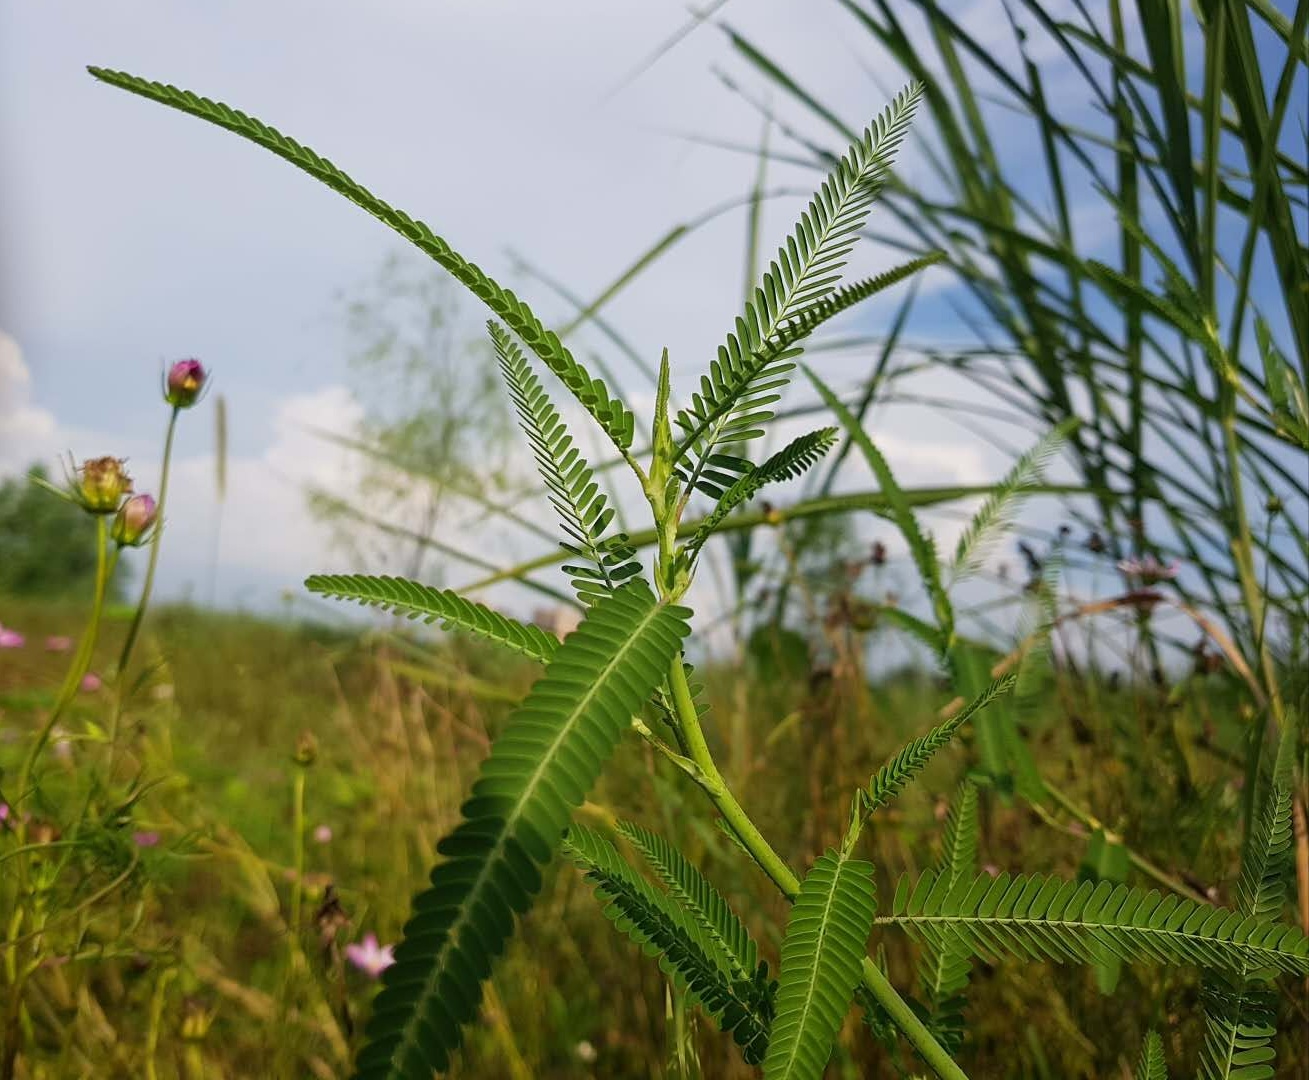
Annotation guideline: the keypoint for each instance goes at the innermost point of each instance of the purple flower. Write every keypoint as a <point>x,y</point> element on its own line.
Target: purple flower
<point>91,682</point>
<point>58,643</point>
<point>370,958</point>
<point>4,812</point>
<point>183,384</point>
<point>134,520</point>
<point>11,639</point>
<point>148,838</point>
<point>1149,570</point>
<point>323,834</point>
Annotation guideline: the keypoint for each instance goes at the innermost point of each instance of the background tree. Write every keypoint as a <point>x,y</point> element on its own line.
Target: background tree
<point>47,545</point>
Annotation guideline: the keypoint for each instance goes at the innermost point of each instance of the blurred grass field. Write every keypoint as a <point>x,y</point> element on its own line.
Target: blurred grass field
<point>218,987</point>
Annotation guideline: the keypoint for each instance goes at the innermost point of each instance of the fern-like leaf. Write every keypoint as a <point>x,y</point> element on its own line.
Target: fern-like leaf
<point>696,963</point>
<point>714,916</point>
<point>1240,1008</point>
<point>996,513</point>
<point>788,463</point>
<point>1038,918</point>
<point>1151,1064</point>
<point>822,953</point>
<point>743,383</point>
<point>612,415</point>
<point>582,507</point>
<point>892,777</point>
<point>539,769</point>
<point>943,972</point>
<point>921,547</point>
<point>431,605</point>
<point>1240,1022</point>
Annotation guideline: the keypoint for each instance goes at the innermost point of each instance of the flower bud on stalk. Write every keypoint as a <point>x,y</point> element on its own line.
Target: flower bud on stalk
<point>102,484</point>
<point>134,522</point>
<point>184,382</point>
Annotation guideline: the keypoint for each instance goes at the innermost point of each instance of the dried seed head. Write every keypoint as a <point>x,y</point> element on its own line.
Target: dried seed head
<point>102,484</point>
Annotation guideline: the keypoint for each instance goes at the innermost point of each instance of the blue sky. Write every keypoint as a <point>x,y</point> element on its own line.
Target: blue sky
<point>134,236</point>
<point>131,235</point>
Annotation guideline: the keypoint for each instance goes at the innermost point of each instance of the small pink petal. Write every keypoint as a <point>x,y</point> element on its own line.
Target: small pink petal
<point>91,682</point>
<point>323,834</point>
<point>58,643</point>
<point>11,639</point>
<point>148,838</point>
<point>369,957</point>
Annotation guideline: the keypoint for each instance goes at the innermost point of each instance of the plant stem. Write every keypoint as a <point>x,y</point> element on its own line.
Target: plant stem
<point>148,585</point>
<point>877,984</point>
<point>76,670</point>
<point>1149,869</point>
<point>298,824</point>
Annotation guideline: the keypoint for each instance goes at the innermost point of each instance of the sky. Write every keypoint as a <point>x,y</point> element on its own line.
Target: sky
<point>132,235</point>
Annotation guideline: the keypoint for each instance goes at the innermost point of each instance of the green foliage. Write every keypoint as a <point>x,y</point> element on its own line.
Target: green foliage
<point>1240,1007</point>
<point>583,508</point>
<point>540,768</point>
<point>943,971</point>
<point>417,601</point>
<point>822,954</point>
<point>691,946</point>
<point>921,547</point>
<point>627,652</point>
<point>47,545</point>
<point>1040,917</point>
<point>612,415</point>
<point>791,461</point>
<point>1151,1065</point>
<point>996,514</point>
<point>736,396</point>
<point>892,777</point>
<point>701,901</point>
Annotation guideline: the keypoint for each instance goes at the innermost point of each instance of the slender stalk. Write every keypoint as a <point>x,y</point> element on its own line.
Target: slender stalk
<point>877,984</point>
<point>1144,865</point>
<point>148,585</point>
<point>76,670</point>
<point>146,588</point>
<point>298,825</point>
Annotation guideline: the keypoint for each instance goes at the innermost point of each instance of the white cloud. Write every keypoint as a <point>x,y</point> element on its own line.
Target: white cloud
<point>25,429</point>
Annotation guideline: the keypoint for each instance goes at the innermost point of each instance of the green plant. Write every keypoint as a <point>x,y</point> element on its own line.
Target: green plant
<point>624,669</point>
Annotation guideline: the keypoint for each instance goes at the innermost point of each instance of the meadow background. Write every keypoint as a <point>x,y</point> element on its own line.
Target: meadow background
<point>629,172</point>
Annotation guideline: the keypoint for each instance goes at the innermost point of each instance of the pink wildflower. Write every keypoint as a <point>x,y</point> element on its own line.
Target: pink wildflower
<point>91,682</point>
<point>147,838</point>
<point>183,383</point>
<point>323,834</point>
<point>58,643</point>
<point>11,639</point>
<point>370,958</point>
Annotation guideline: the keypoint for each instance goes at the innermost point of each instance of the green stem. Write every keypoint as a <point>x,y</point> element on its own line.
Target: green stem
<point>298,824</point>
<point>1144,865</point>
<point>146,588</point>
<point>76,670</point>
<point>148,585</point>
<point>877,984</point>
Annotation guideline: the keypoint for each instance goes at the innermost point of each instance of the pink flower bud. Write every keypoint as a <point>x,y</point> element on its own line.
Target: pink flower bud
<point>11,639</point>
<point>135,519</point>
<point>58,643</point>
<point>103,484</point>
<point>91,682</point>
<point>185,380</point>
